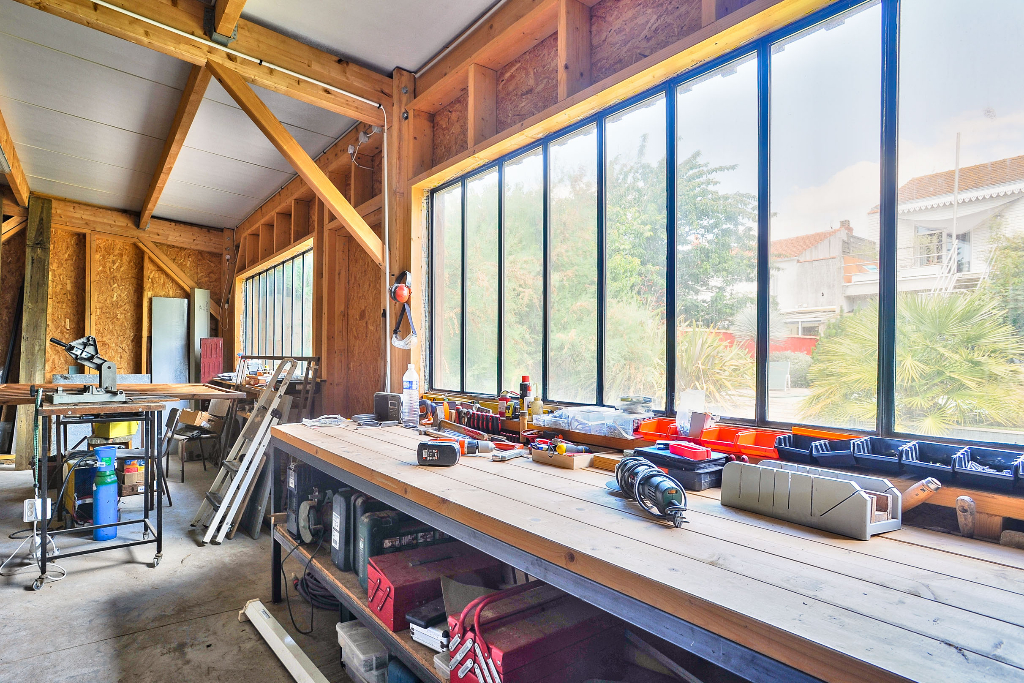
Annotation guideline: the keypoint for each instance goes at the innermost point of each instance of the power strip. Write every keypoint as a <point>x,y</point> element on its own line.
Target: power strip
<point>33,510</point>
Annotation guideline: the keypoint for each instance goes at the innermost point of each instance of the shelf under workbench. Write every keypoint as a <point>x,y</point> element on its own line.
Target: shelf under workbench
<point>345,587</point>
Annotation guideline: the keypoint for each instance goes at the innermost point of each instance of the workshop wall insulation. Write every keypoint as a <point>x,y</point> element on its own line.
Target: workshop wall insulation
<point>12,274</point>
<point>116,303</point>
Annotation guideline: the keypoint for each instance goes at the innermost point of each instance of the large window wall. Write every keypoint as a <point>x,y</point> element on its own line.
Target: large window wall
<point>756,237</point>
<point>277,309</point>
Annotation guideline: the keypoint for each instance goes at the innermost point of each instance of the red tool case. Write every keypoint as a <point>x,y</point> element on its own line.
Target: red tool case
<point>537,633</point>
<point>400,582</point>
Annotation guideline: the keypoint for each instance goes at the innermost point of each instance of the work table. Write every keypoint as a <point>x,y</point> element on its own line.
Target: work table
<point>742,590</point>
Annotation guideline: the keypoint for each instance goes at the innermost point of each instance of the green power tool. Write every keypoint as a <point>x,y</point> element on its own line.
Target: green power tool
<point>655,491</point>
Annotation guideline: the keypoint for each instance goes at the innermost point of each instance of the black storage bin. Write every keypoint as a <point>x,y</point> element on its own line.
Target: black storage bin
<point>698,481</point>
<point>660,456</point>
<point>927,459</point>
<point>795,447</point>
<point>991,468</point>
<point>876,453</point>
<point>833,453</point>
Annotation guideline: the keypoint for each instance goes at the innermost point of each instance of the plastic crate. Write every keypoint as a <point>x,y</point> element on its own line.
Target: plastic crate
<point>698,481</point>
<point>991,468</point>
<point>657,428</point>
<point>759,443</point>
<point>939,460</point>
<point>876,453</point>
<point>838,453</point>
<point>365,657</point>
<point>721,438</point>
<point>660,456</point>
<point>795,447</point>
<point>689,450</point>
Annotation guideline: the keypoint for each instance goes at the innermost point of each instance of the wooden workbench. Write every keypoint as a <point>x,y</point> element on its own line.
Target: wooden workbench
<point>733,587</point>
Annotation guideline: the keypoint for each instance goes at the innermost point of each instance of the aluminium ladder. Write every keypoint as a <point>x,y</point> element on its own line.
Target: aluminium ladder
<point>236,470</point>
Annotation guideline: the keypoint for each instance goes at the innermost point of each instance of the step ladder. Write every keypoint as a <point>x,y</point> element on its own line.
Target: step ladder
<point>221,504</point>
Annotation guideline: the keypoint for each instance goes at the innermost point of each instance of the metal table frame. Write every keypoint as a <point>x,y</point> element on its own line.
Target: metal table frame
<point>150,422</point>
<point>721,651</point>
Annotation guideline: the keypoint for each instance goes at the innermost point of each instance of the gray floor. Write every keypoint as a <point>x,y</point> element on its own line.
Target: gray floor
<point>114,618</point>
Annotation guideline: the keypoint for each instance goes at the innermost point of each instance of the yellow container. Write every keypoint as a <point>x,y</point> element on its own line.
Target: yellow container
<point>110,430</point>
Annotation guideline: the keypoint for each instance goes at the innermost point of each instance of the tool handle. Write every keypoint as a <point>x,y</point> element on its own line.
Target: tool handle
<point>58,342</point>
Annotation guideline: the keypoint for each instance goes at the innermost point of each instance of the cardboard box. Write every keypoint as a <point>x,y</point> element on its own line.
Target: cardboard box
<point>199,418</point>
<point>569,461</point>
<point>132,489</point>
<point>132,472</point>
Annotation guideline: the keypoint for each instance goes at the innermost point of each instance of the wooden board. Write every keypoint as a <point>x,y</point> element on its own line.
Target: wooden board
<point>451,129</point>
<point>19,394</point>
<point>528,84</point>
<point>623,32</point>
<point>117,303</point>
<point>839,609</point>
<point>12,273</point>
<point>65,314</point>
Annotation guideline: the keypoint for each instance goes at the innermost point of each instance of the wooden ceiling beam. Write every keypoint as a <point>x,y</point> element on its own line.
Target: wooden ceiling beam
<point>11,227</point>
<point>115,224</point>
<point>10,204</point>
<point>318,181</point>
<point>226,15</point>
<point>262,45</point>
<point>191,98</point>
<point>16,178</point>
<point>334,158</point>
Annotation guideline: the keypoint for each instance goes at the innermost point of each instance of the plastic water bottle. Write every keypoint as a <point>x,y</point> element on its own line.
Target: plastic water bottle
<point>104,493</point>
<point>410,397</point>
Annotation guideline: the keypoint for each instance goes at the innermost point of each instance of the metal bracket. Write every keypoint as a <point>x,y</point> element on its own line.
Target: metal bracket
<point>209,20</point>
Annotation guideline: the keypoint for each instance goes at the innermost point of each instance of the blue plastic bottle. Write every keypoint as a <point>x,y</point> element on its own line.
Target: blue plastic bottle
<point>104,493</point>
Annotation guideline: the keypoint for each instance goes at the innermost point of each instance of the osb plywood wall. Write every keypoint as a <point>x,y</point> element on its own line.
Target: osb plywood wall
<point>65,310</point>
<point>203,267</point>
<point>117,303</point>
<point>12,275</point>
<point>451,129</point>
<point>622,32</point>
<point>527,85</point>
<point>378,174</point>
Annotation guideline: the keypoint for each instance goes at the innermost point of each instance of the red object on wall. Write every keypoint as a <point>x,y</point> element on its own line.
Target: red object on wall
<point>211,358</point>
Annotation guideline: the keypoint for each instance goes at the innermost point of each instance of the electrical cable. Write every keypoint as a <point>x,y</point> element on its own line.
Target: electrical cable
<point>315,592</point>
<point>305,570</point>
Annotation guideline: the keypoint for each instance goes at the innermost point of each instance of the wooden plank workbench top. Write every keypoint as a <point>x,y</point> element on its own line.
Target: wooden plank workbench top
<point>908,605</point>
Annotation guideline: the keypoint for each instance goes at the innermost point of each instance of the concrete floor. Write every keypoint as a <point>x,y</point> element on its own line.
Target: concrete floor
<point>114,618</point>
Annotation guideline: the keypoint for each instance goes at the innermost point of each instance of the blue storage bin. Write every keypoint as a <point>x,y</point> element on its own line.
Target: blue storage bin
<point>876,453</point>
<point>400,673</point>
<point>939,460</point>
<point>833,453</point>
<point>795,447</point>
<point>991,468</point>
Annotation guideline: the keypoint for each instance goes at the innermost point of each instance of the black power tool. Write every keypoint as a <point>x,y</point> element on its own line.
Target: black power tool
<point>655,491</point>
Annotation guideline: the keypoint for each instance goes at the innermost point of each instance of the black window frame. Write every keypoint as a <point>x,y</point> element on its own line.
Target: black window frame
<point>888,186</point>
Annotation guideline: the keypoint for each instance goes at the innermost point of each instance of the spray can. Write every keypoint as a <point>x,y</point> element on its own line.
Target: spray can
<point>104,493</point>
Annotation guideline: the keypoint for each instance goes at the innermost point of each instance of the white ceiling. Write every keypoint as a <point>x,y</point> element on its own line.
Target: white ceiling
<point>89,113</point>
<point>382,35</point>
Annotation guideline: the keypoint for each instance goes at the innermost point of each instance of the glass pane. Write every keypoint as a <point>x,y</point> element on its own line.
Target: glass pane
<point>482,283</point>
<point>825,132</point>
<point>307,303</point>
<point>572,333</point>
<point>300,316</point>
<point>278,309</point>
<point>960,226</point>
<point>523,243</point>
<point>716,238</point>
<point>286,310</point>
<point>636,232</point>
<point>261,321</point>
<point>447,289</point>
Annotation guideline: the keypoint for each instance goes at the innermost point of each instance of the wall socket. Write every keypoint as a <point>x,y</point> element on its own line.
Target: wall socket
<point>33,511</point>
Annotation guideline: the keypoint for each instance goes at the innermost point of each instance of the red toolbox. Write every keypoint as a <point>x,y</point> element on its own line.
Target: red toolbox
<point>529,633</point>
<point>400,582</point>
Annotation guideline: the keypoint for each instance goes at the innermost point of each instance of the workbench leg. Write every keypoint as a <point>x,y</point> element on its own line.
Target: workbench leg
<point>159,492</point>
<point>43,495</point>
<point>147,495</point>
<point>275,546</point>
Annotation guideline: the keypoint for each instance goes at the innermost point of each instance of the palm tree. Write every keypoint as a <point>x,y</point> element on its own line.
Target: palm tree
<point>707,361</point>
<point>958,364</point>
